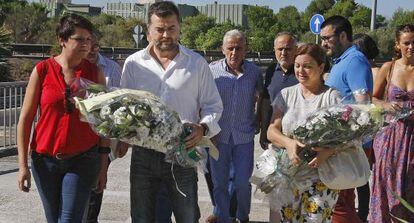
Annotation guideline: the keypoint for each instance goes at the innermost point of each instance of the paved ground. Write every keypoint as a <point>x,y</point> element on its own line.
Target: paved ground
<point>22,207</point>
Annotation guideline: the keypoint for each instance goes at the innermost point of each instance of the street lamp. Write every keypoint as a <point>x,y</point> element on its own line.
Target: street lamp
<point>373,14</point>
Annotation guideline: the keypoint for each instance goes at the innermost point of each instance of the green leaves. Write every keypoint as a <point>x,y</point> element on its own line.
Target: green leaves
<point>405,204</point>
<point>194,29</point>
<point>401,17</point>
<point>212,40</point>
<point>26,21</point>
<point>4,53</point>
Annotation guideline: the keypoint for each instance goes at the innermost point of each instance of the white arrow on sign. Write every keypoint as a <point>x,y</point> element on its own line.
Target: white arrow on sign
<point>317,22</point>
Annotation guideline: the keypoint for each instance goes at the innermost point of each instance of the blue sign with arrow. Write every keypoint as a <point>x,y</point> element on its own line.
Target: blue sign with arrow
<point>315,23</point>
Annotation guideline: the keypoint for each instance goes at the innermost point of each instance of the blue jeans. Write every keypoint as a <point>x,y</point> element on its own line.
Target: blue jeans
<point>148,170</point>
<point>94,205</point>
<point>163,207</point>
<point>241,156</point>
<point>233,197</point>
<point>65,185</point>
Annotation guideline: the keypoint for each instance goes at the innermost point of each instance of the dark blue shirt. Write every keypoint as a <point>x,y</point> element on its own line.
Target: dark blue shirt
<point>238,94</point>
<point>276,79</point>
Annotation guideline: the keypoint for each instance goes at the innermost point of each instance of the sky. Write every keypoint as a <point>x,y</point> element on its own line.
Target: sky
<point>384,7</point>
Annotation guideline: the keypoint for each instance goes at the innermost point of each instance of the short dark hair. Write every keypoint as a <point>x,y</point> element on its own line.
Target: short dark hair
<point>67,24</point>
<point>339,23</point>
<point>366,45</point>
<point>163,9</point>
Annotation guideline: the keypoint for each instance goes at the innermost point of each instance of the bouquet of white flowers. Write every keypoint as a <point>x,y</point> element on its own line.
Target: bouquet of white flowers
<point>338,126</point>
<point>139,118</point>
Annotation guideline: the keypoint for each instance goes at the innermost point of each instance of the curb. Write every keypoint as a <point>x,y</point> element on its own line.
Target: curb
<point>4,152</point>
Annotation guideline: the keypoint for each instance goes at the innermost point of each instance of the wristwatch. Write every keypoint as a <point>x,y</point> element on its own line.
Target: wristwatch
<point>205,128</point>
<point>103,149</point>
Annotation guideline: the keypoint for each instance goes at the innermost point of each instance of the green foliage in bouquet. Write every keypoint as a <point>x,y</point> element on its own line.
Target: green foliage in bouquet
<point>405,204</point>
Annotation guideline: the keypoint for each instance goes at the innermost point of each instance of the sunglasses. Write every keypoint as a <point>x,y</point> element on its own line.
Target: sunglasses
<point>68,105</point>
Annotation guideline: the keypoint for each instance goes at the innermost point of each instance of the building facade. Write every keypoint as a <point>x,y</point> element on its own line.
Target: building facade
<point>55,7</point>
<point>235,13</point>
<point>139,11</point>
<point>60,7</point>
<point>84,9</point>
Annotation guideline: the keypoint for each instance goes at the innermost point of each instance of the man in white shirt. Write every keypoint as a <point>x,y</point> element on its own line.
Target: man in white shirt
<point>183,80</point>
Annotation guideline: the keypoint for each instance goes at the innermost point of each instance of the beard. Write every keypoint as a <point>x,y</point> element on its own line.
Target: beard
<point>168,45</point>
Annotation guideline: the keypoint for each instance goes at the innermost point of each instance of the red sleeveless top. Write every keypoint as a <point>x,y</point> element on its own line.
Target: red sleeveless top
<point>57,131</point>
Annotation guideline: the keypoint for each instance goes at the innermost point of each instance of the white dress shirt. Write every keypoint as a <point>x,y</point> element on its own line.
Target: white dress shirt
<point>186,86</point>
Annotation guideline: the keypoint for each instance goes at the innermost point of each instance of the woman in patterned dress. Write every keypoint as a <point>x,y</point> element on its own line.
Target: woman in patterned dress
<point>394,146</point>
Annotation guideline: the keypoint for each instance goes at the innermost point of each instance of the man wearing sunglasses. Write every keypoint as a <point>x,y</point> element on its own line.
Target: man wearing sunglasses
<point>112,72</point>
<point>350,72</point>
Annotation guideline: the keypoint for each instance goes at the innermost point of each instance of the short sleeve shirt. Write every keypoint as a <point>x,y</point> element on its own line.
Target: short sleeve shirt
<point>351,72</point>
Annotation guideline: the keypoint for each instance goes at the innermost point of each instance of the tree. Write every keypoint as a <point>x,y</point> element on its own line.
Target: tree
<point>318,7</point>
<point>213,39</point>
<point>380,21</point>
<point>401,17</point>
<point>361,17</point>
<point>26,21</point>
<point>315,7</point>
<point>6,6</point>
<point>384,37</point>
<point>115,31</point>
<point>48,35</point>
<point>193,27</point>
<point>288,18</point>
<point>308,37</point>
<point>261,40</point>
<point>260,17</point>
<point>345,8</point>
<point>263,26</point>
<point>4,53</point>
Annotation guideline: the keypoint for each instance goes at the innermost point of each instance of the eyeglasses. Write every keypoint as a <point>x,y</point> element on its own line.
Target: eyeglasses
<point>68,105</point>
<point>328,38</point>
<point>81,40</point>
<point>95,47</point>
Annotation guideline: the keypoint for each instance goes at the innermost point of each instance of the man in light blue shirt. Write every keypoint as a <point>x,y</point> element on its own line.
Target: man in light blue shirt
<point>238,82</point>
<point>351,70</point>
<point>110,68</point>
<point>351,73</point>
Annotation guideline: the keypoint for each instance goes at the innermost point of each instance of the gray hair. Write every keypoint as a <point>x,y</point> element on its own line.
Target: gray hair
<point>286,33</point>
<point>235,33</point>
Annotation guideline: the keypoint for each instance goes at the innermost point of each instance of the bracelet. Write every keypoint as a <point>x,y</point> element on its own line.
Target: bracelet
<point>104,150</point>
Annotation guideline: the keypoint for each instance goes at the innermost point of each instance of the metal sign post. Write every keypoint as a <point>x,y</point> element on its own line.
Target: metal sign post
<point>315,25</point>
<point>137,34</point>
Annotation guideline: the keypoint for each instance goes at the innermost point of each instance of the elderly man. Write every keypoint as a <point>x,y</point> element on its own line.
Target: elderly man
<point>238,82</point>
<point>278,76</point>
<point>350,72</point>
<point>183,80</point>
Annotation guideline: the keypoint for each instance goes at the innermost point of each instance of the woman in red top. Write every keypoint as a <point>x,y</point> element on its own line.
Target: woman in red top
<point>65,155</point>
